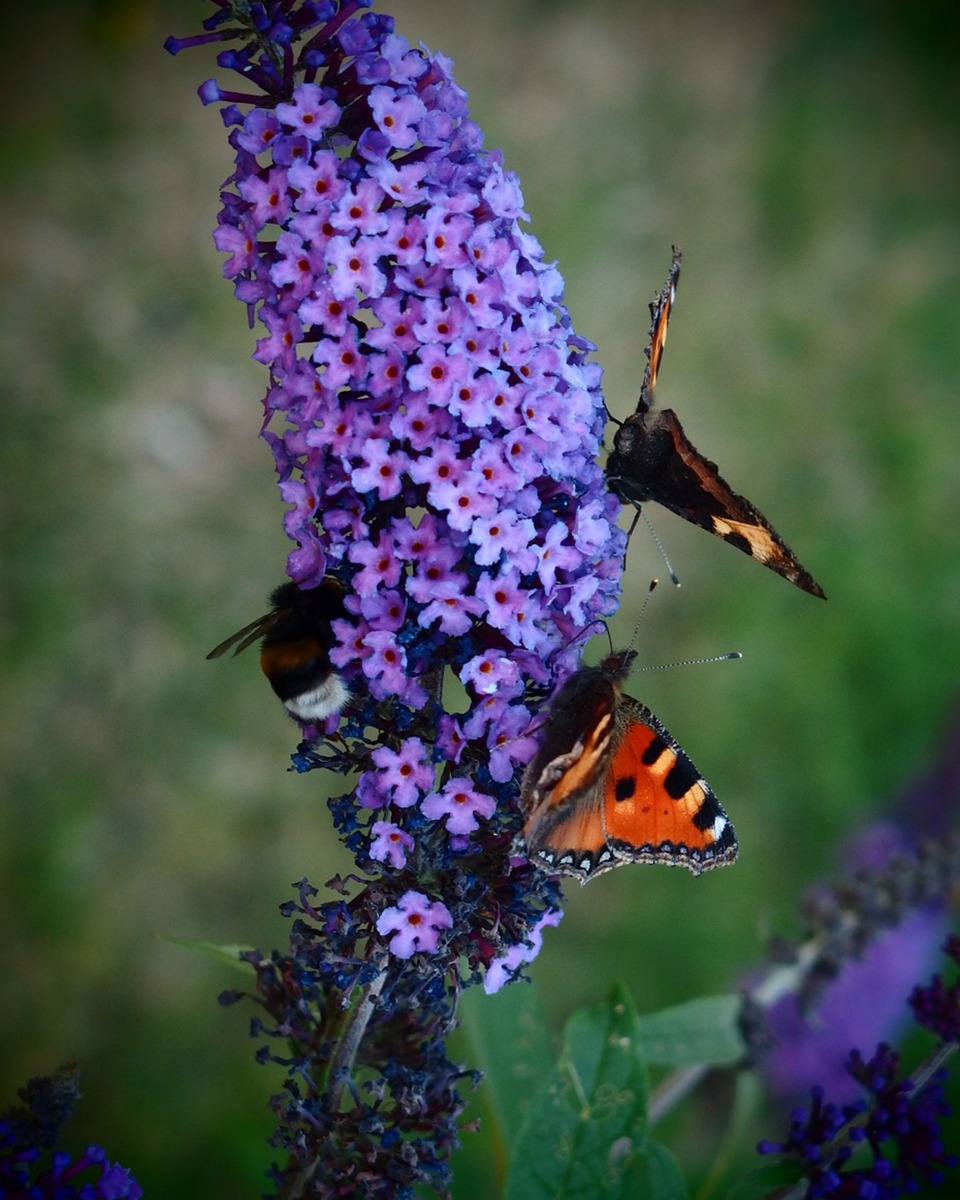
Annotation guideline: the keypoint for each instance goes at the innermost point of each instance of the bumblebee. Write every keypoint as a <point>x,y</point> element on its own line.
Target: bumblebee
<point>297,638</point>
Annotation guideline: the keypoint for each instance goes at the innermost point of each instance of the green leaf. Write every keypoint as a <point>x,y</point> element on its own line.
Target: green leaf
<point>656,1175</point>
<point>772,1179</point>
<point>223,953</point>
<point>704,1031</point>
<point>588,1123</point>
<point>511,1044</point>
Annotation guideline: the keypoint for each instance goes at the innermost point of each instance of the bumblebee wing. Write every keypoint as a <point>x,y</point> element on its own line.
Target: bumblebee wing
<point>248,634</point>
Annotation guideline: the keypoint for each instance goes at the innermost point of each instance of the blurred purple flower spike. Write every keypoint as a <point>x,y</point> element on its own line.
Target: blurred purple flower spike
<point>895,939</point>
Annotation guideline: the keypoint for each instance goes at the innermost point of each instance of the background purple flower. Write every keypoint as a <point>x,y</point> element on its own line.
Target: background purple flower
<point>872,937</point>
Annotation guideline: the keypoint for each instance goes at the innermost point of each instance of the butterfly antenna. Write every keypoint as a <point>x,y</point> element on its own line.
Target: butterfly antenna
<point>691,662</point>
<point>674,579</point>
<point>584,633</point>
<point>643,608</point>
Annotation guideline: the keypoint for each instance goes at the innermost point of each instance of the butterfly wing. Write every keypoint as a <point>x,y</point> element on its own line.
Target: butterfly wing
<point>659,320</point>
<point>562,789</point>
<point>621,790</point>
<point>573,841</point>
<point>680,478</point>
<point>653,459</point>
<point>656,806</point>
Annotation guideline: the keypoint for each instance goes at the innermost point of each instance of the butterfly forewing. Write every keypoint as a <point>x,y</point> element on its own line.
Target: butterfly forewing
<point>571,759</point>
<point>660,319</point>
<point>657,808</point>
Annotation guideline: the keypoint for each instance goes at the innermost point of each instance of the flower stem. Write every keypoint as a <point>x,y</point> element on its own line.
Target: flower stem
<point>670,1091</point>
<point>340,1065</point>
<point>353,1032</point>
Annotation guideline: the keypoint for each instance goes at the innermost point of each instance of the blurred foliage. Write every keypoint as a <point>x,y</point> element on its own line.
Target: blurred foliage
<point>805,157</point>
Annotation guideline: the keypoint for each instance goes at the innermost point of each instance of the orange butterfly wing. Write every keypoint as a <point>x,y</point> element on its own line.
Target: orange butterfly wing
<point>657,808</point>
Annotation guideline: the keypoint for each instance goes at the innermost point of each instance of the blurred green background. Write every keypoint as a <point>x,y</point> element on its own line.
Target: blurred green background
<point>806,158</point>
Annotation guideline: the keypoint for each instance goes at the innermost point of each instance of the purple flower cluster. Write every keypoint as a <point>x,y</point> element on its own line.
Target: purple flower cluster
<point>867,940</point>
<point>937,1006</point>
<point>435,425</point>
<point>29,1164</point>
<point>875,935</point>
<point>898,1127</point>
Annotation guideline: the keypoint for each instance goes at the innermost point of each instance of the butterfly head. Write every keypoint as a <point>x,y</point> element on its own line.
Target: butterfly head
<point>617,665</point>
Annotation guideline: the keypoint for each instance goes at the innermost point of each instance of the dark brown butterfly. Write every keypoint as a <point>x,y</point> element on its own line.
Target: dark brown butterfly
<point>295,650</point>
<point>653,459</point>
<point>609,785</point>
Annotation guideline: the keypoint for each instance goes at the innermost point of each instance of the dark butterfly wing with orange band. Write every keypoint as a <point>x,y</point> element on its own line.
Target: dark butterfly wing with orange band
<point>654,460</point>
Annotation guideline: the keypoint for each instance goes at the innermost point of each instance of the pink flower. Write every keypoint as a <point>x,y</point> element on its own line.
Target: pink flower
<point>461,804</point>
<point>416,923</point>
<point>390,844</point>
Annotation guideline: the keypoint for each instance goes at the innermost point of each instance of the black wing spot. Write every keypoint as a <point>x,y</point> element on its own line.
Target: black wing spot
<point>625,787</point>
<point>681,777</point>
<point>707,815</point>
<point>651,756</point>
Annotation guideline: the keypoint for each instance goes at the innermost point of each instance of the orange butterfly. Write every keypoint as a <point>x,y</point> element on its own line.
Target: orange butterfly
<point>653,459</point>
<point>609,785</point>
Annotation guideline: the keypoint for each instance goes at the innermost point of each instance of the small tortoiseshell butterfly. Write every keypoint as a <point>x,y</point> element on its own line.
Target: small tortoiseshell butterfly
<point>609,785</point>
<point>653,459</point>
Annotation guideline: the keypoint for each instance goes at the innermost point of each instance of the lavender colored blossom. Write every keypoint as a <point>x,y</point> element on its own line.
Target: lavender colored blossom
<point>508,965</point>
<point>390,844</point>
<point>435,423</point>
<point>459,805</point>
<point>416,923</point>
